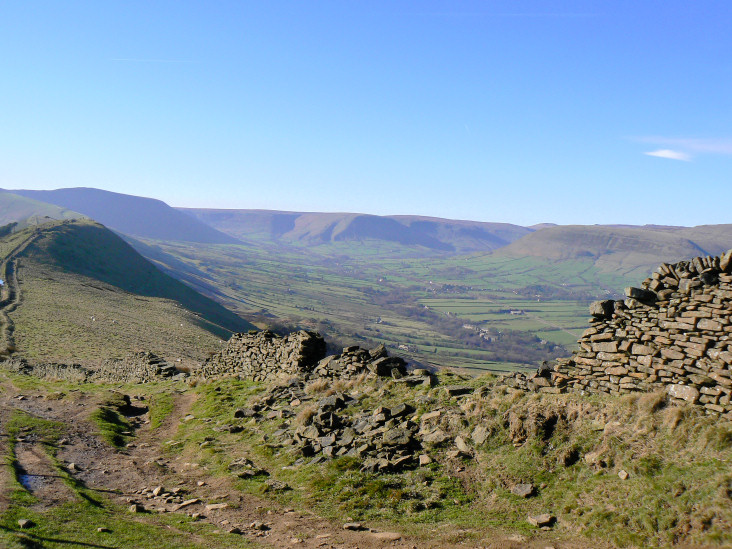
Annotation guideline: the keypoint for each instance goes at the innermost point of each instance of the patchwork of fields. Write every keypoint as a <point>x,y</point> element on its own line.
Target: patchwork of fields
<point>480,312</point>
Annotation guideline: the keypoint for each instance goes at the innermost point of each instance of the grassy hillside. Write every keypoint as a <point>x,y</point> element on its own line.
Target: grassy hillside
<point>86,295</point>
<point>133,215</point>
<point>628,251</point>
<point>414,232</point>
<point>26,211</point>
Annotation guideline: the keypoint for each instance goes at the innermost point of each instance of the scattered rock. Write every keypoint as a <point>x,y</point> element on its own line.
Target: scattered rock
<point>458,390</point>
<point>387,536</point>
<point>355,526</point>
<point>276,485</point>
<point>187,503</point>
<point>25,523</point>
<point>623,474</point>
<point>545,519</point>
<point>523,490</point>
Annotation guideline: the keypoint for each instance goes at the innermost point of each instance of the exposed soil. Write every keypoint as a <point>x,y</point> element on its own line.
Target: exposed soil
<point>38,475</point>
<point>119,474</point>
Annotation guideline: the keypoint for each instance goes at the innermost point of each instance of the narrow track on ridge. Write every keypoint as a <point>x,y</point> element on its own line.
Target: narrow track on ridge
<point>10,293</point>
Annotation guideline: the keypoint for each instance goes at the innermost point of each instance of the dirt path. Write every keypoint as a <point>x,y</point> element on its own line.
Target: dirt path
<point>39,476</point>
<point>122,475</point>
<point>10,293</point>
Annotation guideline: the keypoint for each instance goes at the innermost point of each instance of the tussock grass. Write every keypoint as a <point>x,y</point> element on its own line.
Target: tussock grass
<point>112,426</point>
<point>570,447</point>
<point>318,386</point>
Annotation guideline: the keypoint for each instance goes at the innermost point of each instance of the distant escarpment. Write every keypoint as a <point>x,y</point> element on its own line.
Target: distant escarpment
<point>310,228</point>
<point>132,215</point>
<point>674,334</point>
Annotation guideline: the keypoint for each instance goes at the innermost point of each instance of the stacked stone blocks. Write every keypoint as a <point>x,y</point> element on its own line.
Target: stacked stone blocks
<point>673,333</point>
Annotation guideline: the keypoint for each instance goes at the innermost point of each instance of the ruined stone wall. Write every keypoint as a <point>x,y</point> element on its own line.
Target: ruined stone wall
<point>674,333</point>
<point>264,355</point>
<point>140,367</point>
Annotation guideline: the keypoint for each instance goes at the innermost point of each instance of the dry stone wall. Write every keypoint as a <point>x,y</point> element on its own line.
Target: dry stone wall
<point>139,367</point>
<point>674,333</point>
<point>264,355</point>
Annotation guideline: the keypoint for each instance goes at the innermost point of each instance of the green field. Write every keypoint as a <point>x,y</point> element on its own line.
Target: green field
<point>429,308</point>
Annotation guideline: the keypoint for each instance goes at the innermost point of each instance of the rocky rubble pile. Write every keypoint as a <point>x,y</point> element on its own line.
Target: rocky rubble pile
<point>384,439</point>
<point>674,333</point>
<point>354,361</point>
<point>263,356</point>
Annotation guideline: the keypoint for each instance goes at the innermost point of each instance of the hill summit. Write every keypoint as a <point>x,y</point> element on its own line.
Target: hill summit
<point>132,215</point>
<point>77,292</point>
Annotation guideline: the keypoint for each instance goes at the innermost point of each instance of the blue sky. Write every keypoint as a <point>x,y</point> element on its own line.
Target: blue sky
<point>515,111</point>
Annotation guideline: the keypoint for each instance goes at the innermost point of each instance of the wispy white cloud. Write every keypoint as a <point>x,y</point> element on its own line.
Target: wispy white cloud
<point>685,148</point>
<point>668,153</point>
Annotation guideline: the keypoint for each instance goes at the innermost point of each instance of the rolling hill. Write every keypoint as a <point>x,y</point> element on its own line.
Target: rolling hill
<point>622,249</point>
<point>25,211</point>
<point>132,215</point>
<point>86,295</point>
<point>300,228</point>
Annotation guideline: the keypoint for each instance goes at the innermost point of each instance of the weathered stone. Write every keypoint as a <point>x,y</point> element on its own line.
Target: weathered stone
<point>689,394</point>
<point>605,347</point>
<point>672,354</point>
<point>640,294</point>
<point>431,415</point>
<point>523,490</point>
<point>386,536</point>
<point>397,437</point>
<point>463,446</point>
<point>602,309</point>
<point>707,324</point>
<point>638,349</point>
<point>545,519</point>
<point>480,435</point>
<point>458,390</point>
<point>436,437</point>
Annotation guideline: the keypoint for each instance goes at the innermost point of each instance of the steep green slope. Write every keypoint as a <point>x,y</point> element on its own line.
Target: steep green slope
<point>86,295</point>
